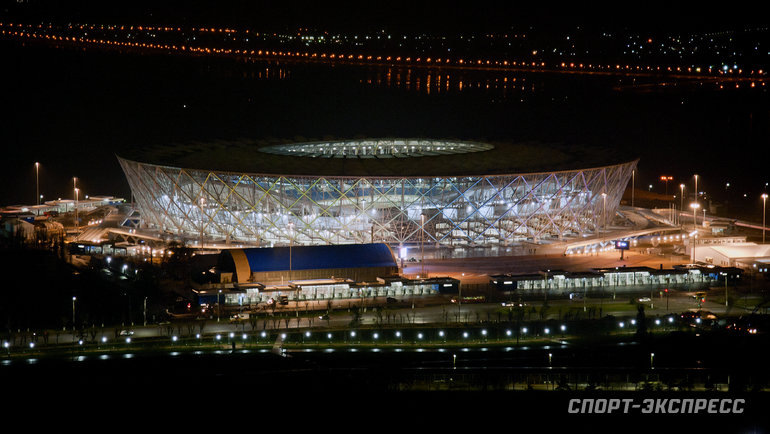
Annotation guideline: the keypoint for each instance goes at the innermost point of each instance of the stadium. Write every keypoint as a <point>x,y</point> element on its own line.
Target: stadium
<point>402,192</point>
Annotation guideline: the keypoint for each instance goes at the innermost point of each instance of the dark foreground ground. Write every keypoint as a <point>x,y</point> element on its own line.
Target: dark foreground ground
<point>482,387</point>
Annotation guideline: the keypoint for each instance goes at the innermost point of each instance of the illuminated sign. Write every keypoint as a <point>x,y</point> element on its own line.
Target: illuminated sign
<point>621,245</point>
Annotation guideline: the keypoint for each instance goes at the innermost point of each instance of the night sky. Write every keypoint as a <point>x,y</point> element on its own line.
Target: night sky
<point>430,16</point>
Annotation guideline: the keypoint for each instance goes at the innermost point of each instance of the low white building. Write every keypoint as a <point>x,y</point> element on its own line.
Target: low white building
<point>741,255</point>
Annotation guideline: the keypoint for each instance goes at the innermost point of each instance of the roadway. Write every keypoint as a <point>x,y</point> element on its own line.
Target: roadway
<point>425,311</point>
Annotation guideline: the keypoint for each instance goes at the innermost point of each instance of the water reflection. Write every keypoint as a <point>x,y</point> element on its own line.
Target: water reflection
<point>447,81</point>
<point>498,84</point>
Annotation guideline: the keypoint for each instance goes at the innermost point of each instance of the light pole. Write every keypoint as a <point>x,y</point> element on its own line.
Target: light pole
<point>37,182</point>
<point>604,211</point>
<point>694,233</point>
<point>75,189</point>
<point>693,236</point>
<point>764,209</point>
<point>633,181</point>
<point>725,274</point>
<point>681,198</point>
<point>219,304</point>
<point>73,317</point>
<point>422,247</point>
<point>77,224</point>
<point>694,206</point>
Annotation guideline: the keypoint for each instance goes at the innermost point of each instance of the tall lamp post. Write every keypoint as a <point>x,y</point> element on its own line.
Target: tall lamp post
<point>681,198</point>
<point>694,206</point>
<point>77,223</point>
<point>764,209</point>
<point>604,211</point>
<point>73,317</point>
<point>725,274</point>
<point>37,182</point>
<point>694,234</point>
<point>75,189</point>
<point>422,247</point>
<point>219,304</point>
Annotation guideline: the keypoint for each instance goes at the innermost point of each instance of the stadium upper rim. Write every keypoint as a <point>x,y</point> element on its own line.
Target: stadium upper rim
<point>468,159</point>
<point>377,148</point>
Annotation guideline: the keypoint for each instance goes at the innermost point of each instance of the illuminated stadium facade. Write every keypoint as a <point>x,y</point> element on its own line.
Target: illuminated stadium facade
<point>365,203</point>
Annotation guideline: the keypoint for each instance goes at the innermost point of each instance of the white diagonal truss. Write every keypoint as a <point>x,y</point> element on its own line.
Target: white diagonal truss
<point>268,210</point>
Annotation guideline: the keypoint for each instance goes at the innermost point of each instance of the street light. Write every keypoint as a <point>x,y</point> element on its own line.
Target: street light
<point>681,198</point>
<point>725,274</point>
<point>422,241</point>
<point>73,314</point>
<point>37,182</point>
<point>77,223</point>
<point>219,304</point>
<point>764,208</point>
<point>604,211</point>
<point>694,206</point>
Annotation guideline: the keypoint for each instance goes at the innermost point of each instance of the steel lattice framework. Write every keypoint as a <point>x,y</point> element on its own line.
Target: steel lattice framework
<point>269,209</point>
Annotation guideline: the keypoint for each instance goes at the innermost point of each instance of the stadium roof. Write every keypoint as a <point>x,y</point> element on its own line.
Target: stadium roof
<point>267,158</point>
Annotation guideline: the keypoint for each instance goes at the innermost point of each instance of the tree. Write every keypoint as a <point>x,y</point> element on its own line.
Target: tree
<point>356,317</point>
<point>544,309</point>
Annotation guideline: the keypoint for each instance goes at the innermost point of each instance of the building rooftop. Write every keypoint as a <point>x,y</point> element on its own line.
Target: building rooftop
<point>327,158</point>
<point>315,257</point>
